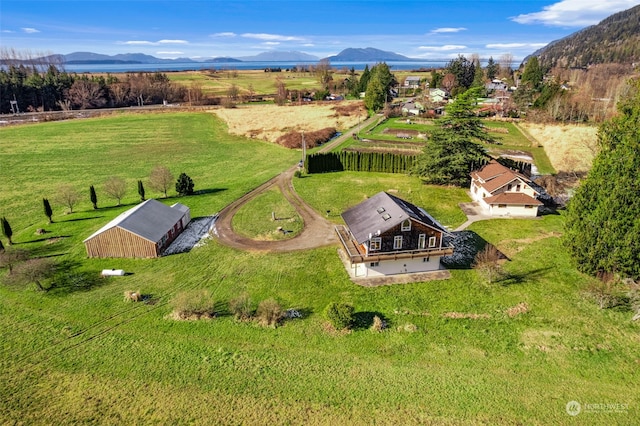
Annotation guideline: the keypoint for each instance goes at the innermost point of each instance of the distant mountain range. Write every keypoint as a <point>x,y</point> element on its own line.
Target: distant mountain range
<point>368,54</point>
<point>615,39</point>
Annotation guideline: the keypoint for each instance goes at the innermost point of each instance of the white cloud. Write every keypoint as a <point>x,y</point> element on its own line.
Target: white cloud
<point>514,45</point>
<point>271,43</point>
<point>271,37</point>
<point>224,34</point>
<point>447,30</point>
<point>445,48</point>
<point>575,13</point>
<point>153,43</point>
<point>138,43</point>
<point>30,30</point>
<point>173,42</point>
<point>7,31</point>
<point>169,53</point>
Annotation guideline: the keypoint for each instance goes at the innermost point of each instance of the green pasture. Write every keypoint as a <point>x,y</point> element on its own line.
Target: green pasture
<point>79,354</point>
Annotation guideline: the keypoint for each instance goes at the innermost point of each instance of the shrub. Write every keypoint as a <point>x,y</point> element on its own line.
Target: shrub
<point>297,173</point>
<point>240,307</point>
<point>340,315</point>
<point>193,304</point>
<point>269,313</point>
<point>487,263</point>
<point>378,324</point>
<point>184,185</point>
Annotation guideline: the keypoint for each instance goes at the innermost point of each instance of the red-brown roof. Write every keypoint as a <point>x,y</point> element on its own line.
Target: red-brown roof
<point>513,198</point>
<point>494,175</point>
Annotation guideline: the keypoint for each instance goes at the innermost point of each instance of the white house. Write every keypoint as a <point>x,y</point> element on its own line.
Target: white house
<point>385,235</point>
<point>501,191</point>
<point>438,95</point>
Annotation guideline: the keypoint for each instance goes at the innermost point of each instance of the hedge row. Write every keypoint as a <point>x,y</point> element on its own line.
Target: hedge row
<point>359,162</point>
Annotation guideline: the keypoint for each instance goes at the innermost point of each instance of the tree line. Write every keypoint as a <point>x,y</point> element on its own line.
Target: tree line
<point>385,162</point>
<point>27,88</point>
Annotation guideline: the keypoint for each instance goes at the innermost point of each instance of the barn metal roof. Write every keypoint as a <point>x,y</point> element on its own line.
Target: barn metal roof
<point>150,220</point>
<point>382,212</point>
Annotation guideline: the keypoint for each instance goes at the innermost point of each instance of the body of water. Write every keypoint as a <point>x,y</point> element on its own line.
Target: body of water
<point>186,66</point>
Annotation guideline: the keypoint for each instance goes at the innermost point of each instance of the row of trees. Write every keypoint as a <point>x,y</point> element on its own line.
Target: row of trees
<point>28,88</point>
<point>385,162</point>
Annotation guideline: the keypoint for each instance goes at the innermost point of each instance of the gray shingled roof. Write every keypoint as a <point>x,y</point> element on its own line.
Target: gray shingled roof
<point>150,220</point>
<point>382,212</point>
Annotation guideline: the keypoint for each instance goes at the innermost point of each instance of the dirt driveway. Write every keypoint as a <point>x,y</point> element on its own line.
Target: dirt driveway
<point>317,231</point>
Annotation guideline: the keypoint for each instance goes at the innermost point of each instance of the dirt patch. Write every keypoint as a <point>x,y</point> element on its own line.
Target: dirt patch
<point>514,246</point>
<point>265,122</point>
<point>569,147</point>
<point>391,130</point>
<point>463,315</point>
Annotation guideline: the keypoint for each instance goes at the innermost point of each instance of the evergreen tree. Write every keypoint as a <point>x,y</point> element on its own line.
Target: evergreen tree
<point>184,185</point>
<point>93,196</point>
<point>448,159</point>
<point>141,190</point>
<point>48,212</point>
<point>6,229</point>
<point>603,217</point>
<point>364,79</point>
<point>462,120</point>
<point>464,71</point>
<point>492,68</point>
<point>533,73</point>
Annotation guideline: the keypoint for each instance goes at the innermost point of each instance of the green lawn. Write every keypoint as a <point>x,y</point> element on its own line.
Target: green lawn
<point>80,354</point>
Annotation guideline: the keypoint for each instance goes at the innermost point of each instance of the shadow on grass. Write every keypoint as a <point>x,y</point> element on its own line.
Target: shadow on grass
<point>208,191</point>
<point>79,219</point>
<point>515,279</point>
<point>68,280</point>
<point>39,240</point>
<point>364,320</point>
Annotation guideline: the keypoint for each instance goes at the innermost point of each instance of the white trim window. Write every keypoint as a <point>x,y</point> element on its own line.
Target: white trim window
<point>375,244</point>
<point>406,225</point>
<point>397,242</point>
<point>422,241</point>
<point>432,241</point>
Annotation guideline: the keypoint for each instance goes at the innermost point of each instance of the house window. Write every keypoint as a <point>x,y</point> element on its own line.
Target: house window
<point>375,244</point>
<point>386,216</point>
<point>406,225</point>
<point>425,259</point>
<point>509,187</point>
<point>518,187</point>
<point>397,242</point>
<point>422,241</point>
<point>502,206</point>
<point>380,210</point>
<point>374,264</point>
<point>432,241</point>
<point>528,206</point>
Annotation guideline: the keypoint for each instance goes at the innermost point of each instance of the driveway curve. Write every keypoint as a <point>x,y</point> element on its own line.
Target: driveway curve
<point>317,231</point>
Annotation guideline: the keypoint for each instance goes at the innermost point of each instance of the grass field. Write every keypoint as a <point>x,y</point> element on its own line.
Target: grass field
<point>79,354</point>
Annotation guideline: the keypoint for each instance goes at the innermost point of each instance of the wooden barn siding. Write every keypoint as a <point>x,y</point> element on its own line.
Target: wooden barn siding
<point>117,242</point>
<point>409,238</point>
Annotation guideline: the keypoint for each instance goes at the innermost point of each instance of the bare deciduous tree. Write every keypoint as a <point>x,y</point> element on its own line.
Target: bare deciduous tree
<point>86,94</point>
<point>161,179</point>
<point>115,187</point>
<point>487,263</point>
<point>31,271</point>
<point>67,196</point>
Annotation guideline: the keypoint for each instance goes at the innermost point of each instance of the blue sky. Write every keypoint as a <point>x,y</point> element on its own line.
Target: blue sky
<point>211,28</point>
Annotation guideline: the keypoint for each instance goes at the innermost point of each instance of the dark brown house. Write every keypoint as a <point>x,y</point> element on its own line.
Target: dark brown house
<point>386,235</point>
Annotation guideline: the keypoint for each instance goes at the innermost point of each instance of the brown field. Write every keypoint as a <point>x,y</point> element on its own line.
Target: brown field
<point>270,122</point>
<point>569,147</point>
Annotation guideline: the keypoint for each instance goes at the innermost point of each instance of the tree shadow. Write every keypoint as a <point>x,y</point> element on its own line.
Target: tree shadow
<point>79,219</point>
<point>515,279</point>
<point>39,240</point>
<point>364,320</point>
<point>208,191</point>
<point>69,280</point>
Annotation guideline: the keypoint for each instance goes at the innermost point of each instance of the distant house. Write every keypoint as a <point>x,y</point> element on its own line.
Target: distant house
<point>496,84</point>
<point>145,230</point>
<point>385,235</point>
<point>412,108</point>
<point>411,82</point>
<point>501,191</point>
<point>438,95</point>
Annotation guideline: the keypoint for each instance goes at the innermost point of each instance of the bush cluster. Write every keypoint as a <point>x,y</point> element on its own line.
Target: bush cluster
<point>340,315</point>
